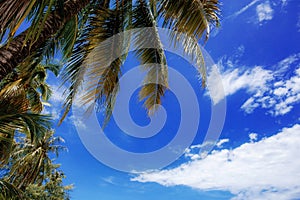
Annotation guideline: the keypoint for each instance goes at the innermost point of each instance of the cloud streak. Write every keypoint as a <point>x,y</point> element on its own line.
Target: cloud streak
<point>244,9</point>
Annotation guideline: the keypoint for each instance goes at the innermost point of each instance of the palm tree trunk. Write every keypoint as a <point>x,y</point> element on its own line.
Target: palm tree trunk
<point>16,51</point>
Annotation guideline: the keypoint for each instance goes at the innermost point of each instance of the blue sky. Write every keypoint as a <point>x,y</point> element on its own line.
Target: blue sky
<point>257,55</point>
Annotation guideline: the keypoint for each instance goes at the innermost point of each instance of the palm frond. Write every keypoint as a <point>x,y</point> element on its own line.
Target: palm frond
<point>13,14</point>
<point>9,191</point>
<point>15,116</point>
<point>88,60</point>
<point>189,20</point>
<point>193,52</point>
<point>156,80</point>
<point>192,17</point>
<point>30,162</point>
<point>74,70</point>
<point>107,26</point>
<point>67,36</point>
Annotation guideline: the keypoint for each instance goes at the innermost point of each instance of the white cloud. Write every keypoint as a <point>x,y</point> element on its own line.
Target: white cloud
<point>282,94</point>
<point>249,106</point>
<point>221,142</point>
<point>77,122</point>
<point>57,94</point>
<point>253,137</point>
<point>264,11</point>
<point>54,107</point>
<point>253,80</point>
<point>55,114</point>
<point>266,169</point>
<point>274,90</point>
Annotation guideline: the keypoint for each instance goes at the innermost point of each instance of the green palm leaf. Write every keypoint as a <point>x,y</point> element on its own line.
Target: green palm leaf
<point>31,161</point>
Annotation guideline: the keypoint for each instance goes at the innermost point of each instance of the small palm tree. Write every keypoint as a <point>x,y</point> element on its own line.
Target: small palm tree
<point>31,162</point>
<point>31,173</point>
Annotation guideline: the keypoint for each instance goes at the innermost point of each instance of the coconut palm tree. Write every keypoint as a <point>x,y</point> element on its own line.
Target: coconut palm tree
<point>31,173</point>
<point>31,162</point>
<point>15,115</point>
<point>47,18</point>
<point>79,26</point>
<point>21,102</point>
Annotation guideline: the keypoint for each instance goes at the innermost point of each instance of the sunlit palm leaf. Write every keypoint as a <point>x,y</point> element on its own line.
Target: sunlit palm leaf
<point>103,71</point>
<point>13,14</point>
<point>15,115</point>
<point>156,80</point>
<point>193,18</point>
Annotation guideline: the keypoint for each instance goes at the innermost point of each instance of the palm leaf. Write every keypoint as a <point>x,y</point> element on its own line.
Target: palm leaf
<point>156,80</point>
<point>102,71</point>
<point>31,162</point>
<point>15,115</point>
<point>13,14</point>
<point>189,28</point>
<point>9,191</point>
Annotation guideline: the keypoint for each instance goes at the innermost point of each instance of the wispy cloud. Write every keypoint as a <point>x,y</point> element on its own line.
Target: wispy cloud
<point>245,8</point>
<point>254,81</point>
<point>282,94</point>
<point>55,102</point>
<point>266,169</point>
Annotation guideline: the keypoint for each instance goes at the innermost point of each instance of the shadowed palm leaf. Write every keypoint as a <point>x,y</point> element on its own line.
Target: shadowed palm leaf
<point>9,191</point>
<point>20,105</point>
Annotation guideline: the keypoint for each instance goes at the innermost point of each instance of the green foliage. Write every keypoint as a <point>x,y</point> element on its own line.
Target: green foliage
<point>31,172</point>
<point>106,21</point>
<point>80,40</point>
<point>81,37</point>
<point>22,96</point>
<point>9,191</point>
<point>52,189</point>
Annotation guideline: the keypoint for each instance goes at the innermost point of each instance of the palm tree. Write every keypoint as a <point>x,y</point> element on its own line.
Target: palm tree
<point>53,188</point>
<point>31,162</point>
<point>31,171</point>
<point>47,17</point>
<point>15,115</point>
<point>78,27</point>
<point>21,102</point>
